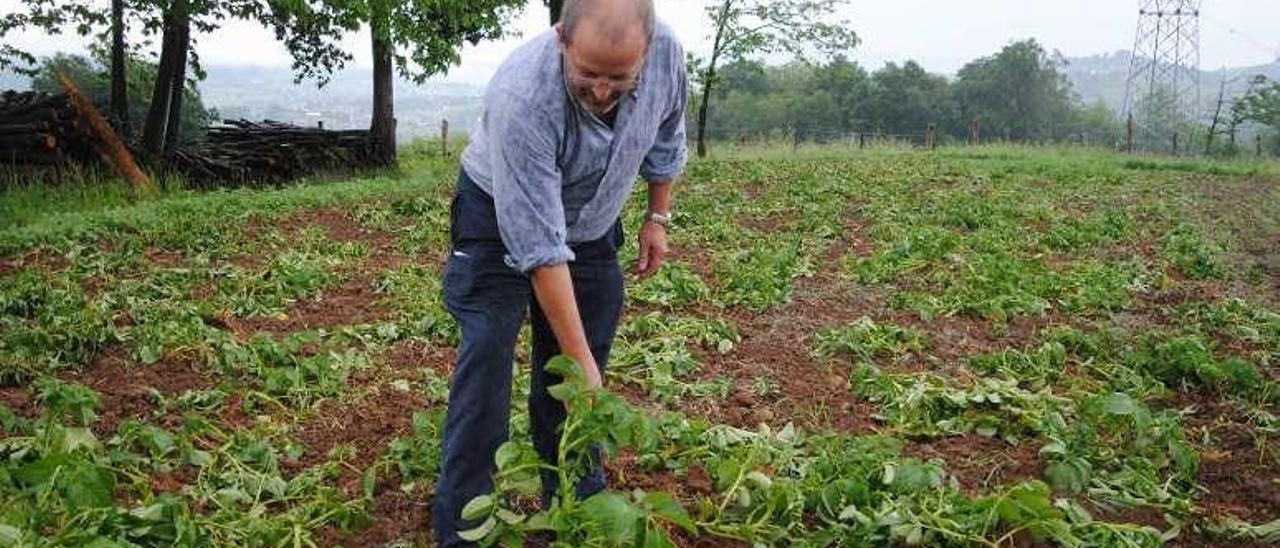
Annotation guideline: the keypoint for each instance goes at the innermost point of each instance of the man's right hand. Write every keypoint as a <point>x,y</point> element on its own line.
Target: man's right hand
<point>553,287</point>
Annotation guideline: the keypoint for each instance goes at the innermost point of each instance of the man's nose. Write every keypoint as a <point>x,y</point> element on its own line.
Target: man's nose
<point>602,91</point>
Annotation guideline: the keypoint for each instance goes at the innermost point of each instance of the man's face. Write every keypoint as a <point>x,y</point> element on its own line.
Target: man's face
<point>598,71</point>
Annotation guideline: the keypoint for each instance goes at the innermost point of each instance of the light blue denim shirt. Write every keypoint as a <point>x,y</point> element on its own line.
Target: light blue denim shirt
<point>557,174</point>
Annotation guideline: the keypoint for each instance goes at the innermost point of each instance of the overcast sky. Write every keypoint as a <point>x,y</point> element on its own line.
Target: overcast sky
<point>940,34</point>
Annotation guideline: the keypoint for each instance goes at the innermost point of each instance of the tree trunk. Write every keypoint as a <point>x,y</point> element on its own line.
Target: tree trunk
<point>119,107</point>
<point>1217,112</point>
<point>554,6</point>
<point>173,133</point>
<point>702,109</point>
<point>158,113</point>
<point>710,77</point>
<point>382,130</point>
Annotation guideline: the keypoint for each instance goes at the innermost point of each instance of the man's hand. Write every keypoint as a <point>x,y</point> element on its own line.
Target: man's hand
<point>653,249</point>
<point>553,287</point>
<point>592,373</point>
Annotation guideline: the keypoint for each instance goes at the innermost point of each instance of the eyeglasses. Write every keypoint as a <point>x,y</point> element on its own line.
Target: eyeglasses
<point>615,84</point>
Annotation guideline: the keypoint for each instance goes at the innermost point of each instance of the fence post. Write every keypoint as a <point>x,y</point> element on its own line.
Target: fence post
<point>862,141</point>
<point>1175,144</point>
<point>931,137</point>
<point>1128,134</point>
<point>444,138</point>
<point>973,132</point>
<point>1258,139</point>
<point>320,125</point>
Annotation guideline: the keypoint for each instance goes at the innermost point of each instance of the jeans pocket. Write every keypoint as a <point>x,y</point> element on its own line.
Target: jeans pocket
<point>458,278</point>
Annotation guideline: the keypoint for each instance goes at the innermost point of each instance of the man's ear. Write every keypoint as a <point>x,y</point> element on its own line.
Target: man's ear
<point>560,35</point>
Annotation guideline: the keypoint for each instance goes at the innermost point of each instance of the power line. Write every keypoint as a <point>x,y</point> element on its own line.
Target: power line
<point>1271,49</point>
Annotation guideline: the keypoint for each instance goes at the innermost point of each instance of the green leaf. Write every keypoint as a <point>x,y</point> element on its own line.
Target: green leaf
<point>155,512</point>
<point>664,505</point>
<point>538,522</point>
<point>759,479</point>
<point>508,455</point>
<point>228,496</point>
<point>478,507</point>
<point>200,458</point>
<point>614,514</point>
<point>508,517</point>
<point>890,471</point>
<point>369,481</point>
<point>74,438</point>
<point>1053,448</point>
<point>1120,404</point>
<point>566,367</point>
<point>656,538</point>
<point>563,392</point>
<point>88,486</point>
<point>474,535</point>
<point>1065,477</point>
<point>9,535</point>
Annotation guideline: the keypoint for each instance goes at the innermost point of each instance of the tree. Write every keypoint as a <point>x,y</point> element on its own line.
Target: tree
<point>905,99</point>
<point>119,109</point>
<point>94,80</point>
<point>746,28</point>
<point>415,39</point>
<point>850,89</point>
<point>308,35</point>
<point>86,18</point>
<point>1261,105</point>
<point>1018,93</point>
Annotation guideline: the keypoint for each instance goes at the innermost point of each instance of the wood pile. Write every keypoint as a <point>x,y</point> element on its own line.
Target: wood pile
<point>41,129</point>
<point>269,152</point>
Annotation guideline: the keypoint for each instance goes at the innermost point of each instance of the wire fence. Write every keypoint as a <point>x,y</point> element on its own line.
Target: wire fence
<point>930,136</point>
<point>1190,142</point>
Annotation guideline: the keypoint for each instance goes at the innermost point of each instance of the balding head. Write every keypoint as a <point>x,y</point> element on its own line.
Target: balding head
<point>615,21</point>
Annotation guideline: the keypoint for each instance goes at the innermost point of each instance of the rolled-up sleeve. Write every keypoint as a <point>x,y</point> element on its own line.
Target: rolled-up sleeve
<point>526,184</point>
<point>670,150</point>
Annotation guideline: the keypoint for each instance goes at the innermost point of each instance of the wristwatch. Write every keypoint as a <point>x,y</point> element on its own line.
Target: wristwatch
<point>655,217</point>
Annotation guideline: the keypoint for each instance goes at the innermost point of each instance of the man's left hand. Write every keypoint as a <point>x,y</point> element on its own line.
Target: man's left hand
<point>653,249</point>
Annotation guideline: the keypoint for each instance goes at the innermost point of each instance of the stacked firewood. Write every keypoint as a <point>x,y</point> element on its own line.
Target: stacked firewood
<point>41,129</point>
<point>270,152</point>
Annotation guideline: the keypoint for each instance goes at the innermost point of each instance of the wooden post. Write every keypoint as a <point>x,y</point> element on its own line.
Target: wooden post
<point>1175,144</point>
<point>105,139</point>
<point>320,125</point>
<point>931,136</point>
<point>862,141</point>
<point>973,132</point>
<point>444,138</point>
<point>1258,139</point>
<point>1128,134</point>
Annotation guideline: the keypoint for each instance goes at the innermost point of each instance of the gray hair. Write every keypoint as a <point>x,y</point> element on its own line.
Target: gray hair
<point>573,11</point>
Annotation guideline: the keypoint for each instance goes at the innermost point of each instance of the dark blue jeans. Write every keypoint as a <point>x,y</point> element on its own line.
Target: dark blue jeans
<point>489,300</point>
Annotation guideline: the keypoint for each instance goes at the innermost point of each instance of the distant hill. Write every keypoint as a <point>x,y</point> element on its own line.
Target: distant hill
<point>9,80</point>
<point>256,93</point>
<point>1103,78</point>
